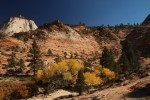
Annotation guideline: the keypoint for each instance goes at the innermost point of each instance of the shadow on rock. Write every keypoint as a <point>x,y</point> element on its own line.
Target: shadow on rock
<point>140,92</point>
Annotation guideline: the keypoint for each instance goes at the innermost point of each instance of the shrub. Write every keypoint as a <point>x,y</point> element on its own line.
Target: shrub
<point>21,92</point>
<point>16,90</point>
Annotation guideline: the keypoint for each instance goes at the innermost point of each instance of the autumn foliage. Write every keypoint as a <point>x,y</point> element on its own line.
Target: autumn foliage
<point>67,70</point>
<point>92,79</point>
<point>108,73</point>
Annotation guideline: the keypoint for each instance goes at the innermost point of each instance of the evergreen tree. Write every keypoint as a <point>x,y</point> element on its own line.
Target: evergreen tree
<point>137,63</point>
<point>80,82</point>
<point>49,52</point>
<point>107,59</point>
<point>127,48</point>
<point>34,57</point>
<point>137,24</point>
<point>131,55</point>
<point>12,60</point>
<point>124,62</point>
<point>108,25</point>
<point>21,63</point>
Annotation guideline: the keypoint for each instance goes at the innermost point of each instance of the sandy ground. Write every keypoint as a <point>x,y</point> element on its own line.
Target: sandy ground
<point>53,95</point>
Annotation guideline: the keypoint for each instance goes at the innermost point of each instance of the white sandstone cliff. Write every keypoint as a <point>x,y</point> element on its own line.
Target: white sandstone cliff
<point>18,24</point>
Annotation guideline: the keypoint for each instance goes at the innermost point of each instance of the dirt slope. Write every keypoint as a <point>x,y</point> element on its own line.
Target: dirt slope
<point>119,92</point>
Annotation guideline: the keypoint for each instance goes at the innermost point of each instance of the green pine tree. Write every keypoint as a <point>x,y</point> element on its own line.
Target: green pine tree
<point>12,60</point>
<point>80,82</point>
<point>49,52</point>
<point>137,56</point>
<point>132,56</point>
<point>127,48</point>
<point>107,59</point>
<point>21,63</point>
<point>34,57</point>
<point>124,62</point>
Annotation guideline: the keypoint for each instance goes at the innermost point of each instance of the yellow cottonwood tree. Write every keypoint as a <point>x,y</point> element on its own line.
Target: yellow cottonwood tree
<point>40,74</point>
<point>67,71</point>
<point>108,73</point>
<point>97,69</point>
<point>91,79</point>
<point>67,68</point>
<point>67,76</point>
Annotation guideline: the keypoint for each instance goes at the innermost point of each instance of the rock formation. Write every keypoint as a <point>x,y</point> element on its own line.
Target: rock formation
<point>17,24</point>
<point>146,22</point>
<point>140,37</point>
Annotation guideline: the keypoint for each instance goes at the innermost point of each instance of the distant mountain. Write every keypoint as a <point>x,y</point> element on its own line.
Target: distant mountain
<point>17,24</point>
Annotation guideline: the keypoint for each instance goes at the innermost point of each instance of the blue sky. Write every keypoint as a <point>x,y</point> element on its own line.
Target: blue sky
<point>90,12</point>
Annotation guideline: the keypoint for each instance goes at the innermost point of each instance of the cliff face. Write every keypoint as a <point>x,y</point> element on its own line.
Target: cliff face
<point>18,24</point>
<point>146,22</point>
<point>140,37</point>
